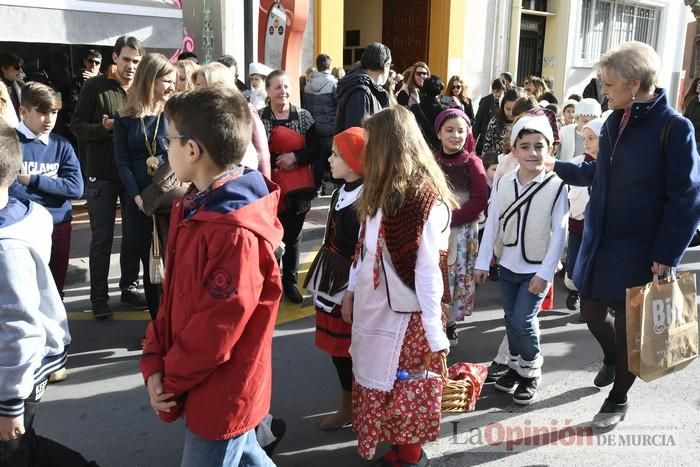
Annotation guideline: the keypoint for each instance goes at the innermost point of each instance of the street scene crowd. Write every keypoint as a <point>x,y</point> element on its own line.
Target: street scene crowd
<point>432,196</point>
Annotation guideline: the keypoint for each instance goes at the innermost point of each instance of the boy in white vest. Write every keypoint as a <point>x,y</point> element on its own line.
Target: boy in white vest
<point>526,230</point>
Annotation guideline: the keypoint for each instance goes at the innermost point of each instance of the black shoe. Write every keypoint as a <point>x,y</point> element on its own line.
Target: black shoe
<point>573,301</point>
<point>605,376</point>
<point>609,416</point>
<point>508,382</point>
<point>496,370</point>
<point>133,300</point>
<point>493,273</point>
<point>526,393</point>
<point>451,332</point>
<point>101,310</point>
<point>291,292</point>
<point>278,428</point>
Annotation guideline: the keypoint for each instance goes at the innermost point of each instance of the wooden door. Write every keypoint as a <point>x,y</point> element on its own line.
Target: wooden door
<point>405,30</point>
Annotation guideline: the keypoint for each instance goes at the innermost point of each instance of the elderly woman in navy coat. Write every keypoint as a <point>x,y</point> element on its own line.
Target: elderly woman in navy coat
<point>643,210</point>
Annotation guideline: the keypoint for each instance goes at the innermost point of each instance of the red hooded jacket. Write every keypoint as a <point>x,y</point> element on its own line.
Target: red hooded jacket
<point>212,338</point>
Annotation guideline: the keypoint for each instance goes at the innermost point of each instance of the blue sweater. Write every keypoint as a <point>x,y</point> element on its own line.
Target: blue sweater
<point>644,207</point>
<point>130,150</point>
<point>55,175</point>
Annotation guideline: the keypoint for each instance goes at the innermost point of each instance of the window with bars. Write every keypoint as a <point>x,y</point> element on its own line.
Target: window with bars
<point>608,23</point>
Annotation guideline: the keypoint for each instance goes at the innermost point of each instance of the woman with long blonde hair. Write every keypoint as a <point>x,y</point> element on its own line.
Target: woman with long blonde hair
<point>396,287</point>
<point>214,74</point>
<point>138,128</point>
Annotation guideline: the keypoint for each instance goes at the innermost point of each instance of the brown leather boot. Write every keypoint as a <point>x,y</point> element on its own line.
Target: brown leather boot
<point>343,417</point>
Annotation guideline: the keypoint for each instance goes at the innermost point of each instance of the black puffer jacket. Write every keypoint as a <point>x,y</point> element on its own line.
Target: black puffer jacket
<point>358,97</point>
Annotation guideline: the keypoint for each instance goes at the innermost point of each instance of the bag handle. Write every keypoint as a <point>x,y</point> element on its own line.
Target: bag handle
<point>443,364</point>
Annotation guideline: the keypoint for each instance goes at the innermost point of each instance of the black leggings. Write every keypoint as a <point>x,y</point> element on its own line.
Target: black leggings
<point>344,367</point>
<point>611,334</point>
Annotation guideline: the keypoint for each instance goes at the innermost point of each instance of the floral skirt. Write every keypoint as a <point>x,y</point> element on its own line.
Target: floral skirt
<point>464,246</point>
<point>393,416</point>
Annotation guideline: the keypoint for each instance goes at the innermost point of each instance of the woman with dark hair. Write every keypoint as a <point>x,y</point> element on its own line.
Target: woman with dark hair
<point>457,90</point>
<point>643,210</point>
<point>502,121</point>
<point>409,94</point>
<point>691,106</point>
<point>428,109</point>
<point>294,143</point>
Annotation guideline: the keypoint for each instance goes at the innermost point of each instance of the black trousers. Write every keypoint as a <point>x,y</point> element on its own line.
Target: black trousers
<point>32,450</point>
<point>292,219</point>
<point>611,334</point>
<point>102,198</point>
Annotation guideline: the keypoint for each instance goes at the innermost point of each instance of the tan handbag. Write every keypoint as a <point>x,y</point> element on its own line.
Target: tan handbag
<point>662,326</point>
<point>156,269</point>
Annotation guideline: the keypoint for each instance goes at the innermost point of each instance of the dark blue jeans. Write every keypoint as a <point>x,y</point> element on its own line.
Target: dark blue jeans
<point>102,198</point>
<point>522,328</point>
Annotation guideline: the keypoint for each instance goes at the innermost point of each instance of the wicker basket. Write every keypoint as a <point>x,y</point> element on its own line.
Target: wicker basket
<point>456,395</point>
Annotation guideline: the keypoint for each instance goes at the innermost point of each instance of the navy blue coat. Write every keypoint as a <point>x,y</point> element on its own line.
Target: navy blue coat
<point>644,207</point>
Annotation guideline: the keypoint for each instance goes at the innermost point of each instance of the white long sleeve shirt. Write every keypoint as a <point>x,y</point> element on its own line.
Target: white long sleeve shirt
<point>511,256</point>
<point>428,283</point>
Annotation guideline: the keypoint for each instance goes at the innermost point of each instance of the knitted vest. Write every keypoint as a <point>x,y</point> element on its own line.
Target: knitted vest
<point>529,227</point>
<point>402,234</point>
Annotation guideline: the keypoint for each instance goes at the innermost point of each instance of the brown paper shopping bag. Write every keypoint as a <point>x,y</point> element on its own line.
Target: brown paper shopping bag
<point>662,326</point>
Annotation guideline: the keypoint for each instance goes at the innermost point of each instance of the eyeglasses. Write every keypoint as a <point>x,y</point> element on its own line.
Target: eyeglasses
<point>422,73</point>
<point>166,140</point>
<point>94,62</point>
<point>457,86</point>
<point>18,67</point>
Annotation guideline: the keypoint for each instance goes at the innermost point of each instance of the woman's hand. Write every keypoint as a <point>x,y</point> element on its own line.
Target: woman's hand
<point>24,179</point>
<point>442,352</point>
<point>139,202</point>
<point>481,276</point>
<point>11,428</point>
<point>346,307</point>
<point>660,269</point>
<point>286,161</point>
<point>537,285</point>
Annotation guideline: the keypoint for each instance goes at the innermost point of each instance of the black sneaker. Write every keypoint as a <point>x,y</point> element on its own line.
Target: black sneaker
<point>508,382</point>
<point>101,310</point>
<point>133,299</point>
<point>451,332</point>
<point>605,376</point>
<point>278,428</point>
<point>291,292</point>
<point>526,392</point>
<point>573,300</point>
<point>496,370</point>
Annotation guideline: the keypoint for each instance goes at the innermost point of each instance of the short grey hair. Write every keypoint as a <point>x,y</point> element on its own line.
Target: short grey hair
<point>632,61</point>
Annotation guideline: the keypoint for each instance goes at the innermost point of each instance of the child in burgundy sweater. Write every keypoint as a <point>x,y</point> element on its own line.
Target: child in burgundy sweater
<point>465,173</point>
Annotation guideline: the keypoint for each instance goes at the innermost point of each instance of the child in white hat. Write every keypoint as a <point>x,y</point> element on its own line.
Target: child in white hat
<point>572,135</point>
<point>578,200</point>
<point>526,230</point>
<point>257,94</point>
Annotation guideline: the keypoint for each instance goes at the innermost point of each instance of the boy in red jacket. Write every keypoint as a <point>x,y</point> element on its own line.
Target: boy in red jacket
<point>208,353</point>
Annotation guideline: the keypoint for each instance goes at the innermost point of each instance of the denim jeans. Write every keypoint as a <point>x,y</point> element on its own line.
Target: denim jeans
<point>102,198</point>
<point>522,328</point>
<point>242,450</point>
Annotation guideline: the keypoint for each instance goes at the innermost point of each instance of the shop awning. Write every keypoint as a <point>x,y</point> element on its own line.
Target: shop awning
<point>158,23</point>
